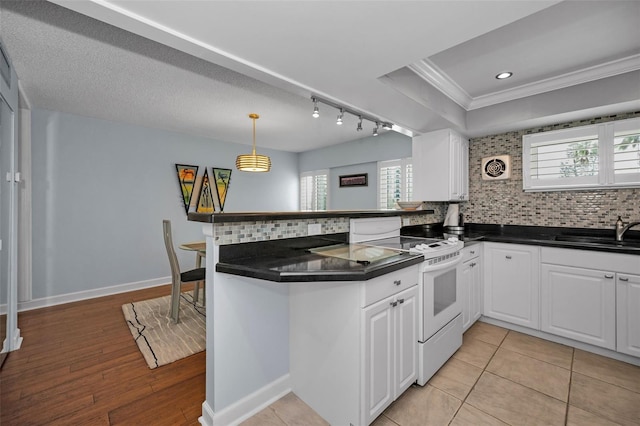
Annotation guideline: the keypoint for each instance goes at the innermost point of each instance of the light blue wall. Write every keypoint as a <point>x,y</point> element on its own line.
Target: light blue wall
<point>388,146</point>
<point>353,197</point>
<point>101,190</point>
<point>357,156</point>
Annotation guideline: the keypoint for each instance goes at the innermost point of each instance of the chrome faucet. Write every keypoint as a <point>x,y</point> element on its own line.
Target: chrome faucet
<point>621,228</point>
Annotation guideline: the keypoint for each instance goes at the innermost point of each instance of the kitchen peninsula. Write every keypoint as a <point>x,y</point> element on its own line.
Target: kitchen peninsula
<point>264,313</point>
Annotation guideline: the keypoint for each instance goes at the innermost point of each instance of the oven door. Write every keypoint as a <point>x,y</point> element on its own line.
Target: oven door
<point>440,297</point>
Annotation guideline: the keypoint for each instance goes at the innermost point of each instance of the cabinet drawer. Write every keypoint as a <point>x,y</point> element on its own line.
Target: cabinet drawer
<point>387,285</point>
<point>470,251</point>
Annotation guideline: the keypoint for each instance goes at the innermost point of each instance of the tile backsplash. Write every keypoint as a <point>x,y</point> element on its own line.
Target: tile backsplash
<point>248,232</point>
<point>505,202</point>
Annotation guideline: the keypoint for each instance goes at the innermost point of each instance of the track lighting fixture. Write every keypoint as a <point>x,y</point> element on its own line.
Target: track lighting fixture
<point>316,113</point>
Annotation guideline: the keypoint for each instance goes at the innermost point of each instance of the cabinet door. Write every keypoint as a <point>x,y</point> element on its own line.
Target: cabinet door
<point>378,356</point>
<point>628,314</point>
<point>446,177</point>
<point>579,304</point>
<point>459,168</point>
<point>511,283</point>
<point>406,339</point>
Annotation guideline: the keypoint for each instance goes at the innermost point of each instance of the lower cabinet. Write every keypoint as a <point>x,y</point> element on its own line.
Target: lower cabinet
<point>628,314</point>
<point>470,282</point>
<point>579,304</point>
<point>390,356</point>
<point>511,283</point>
<point>353,346</point>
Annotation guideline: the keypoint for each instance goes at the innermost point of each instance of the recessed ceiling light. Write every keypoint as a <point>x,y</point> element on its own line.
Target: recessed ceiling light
<point>504,75</point>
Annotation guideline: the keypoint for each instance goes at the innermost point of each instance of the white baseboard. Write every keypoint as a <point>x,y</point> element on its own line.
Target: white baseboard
<point>563,341</point>
<point>87,294</point>
<point>248,406</point>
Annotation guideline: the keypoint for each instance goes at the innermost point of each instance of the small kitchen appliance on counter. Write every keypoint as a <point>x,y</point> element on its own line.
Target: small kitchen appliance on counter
<point>440,309</point>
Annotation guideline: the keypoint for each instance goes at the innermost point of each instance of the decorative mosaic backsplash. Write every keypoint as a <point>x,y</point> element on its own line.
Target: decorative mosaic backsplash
<point>505,202</point>
<point>248,232</point>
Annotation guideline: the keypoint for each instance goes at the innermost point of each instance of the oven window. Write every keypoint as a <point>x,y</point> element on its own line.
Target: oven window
<point>444,291</point>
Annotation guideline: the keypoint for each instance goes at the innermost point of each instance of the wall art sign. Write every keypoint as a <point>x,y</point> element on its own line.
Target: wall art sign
<point>187,180</point>
<point>205,197</point>
<point>221,177</point>
<point>360,179</point>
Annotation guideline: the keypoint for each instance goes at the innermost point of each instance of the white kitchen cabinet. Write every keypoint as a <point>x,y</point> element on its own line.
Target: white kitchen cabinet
<point>628,314</point>
<point>353,345</point>
<point>440,166</point>
<point>470,282</point>
<point>579,304</point>
<point>511,283</point>
<point>390,350</point>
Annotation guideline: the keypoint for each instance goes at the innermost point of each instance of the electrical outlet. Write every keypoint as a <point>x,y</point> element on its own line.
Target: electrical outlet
<point>314,229</point>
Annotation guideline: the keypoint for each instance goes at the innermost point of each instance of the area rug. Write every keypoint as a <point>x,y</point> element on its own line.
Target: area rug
<point>159,339</point>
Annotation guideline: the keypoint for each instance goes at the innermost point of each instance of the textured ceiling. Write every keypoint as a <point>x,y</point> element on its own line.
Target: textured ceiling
<point>200,67</point>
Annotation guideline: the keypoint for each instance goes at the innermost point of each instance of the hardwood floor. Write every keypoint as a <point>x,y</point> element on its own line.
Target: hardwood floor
<point>79,365</point>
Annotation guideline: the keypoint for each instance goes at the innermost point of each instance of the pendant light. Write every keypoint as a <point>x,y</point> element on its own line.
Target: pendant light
<point>253,162</point>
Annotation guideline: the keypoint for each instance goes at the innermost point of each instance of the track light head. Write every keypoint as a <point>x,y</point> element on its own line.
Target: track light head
<point>316,111</point>
<point>359,128</point>
<point>375,129</point>
<point>387,126</point>
<point>339,120</point>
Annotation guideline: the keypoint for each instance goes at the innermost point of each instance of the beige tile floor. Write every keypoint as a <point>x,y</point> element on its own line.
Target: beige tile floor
<point>502,377</point>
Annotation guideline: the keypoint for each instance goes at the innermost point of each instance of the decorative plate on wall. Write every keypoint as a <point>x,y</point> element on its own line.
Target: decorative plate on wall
<point>496,167</point>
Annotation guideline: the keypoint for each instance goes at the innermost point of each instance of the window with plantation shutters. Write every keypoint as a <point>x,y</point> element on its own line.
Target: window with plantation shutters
<point>395,182</point>
<point>314,190</point>
<point>597,156</point>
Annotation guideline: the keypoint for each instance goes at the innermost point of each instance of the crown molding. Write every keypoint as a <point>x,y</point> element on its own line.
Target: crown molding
<point>433,75</point>
<point>429,72</point>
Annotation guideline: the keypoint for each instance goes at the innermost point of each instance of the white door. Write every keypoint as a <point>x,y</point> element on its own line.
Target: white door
<point>628,314</point>
<point>406,339</point>
<point>511,283</point>
<point>579,304</point>
<point>378,357</point>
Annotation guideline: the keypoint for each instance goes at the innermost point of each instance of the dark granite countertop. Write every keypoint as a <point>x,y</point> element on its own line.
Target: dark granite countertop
<point>289,260</point>
<point>549,236</point>
<point>260,216</point>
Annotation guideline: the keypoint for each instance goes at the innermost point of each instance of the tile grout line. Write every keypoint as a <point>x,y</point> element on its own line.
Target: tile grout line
<point>478,379</point>
<point>566,412</point>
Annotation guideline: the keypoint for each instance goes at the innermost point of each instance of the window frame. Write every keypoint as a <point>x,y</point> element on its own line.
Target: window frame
<point>406,192</point>
<point>606,176</point>
<point>313,174</point>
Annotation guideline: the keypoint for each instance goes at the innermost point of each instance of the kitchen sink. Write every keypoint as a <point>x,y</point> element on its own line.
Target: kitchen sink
<point>609,241</point>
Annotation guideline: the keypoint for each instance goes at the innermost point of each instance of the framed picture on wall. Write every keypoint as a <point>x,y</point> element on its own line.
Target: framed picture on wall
<point>186,179</point>
<point>360,179</point>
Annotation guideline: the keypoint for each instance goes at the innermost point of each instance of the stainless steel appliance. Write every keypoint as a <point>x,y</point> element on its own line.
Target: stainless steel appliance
<point>440,310</point>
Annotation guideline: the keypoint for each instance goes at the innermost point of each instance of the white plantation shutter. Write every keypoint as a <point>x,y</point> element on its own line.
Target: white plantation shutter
<point>597,156</point>
<point>395,182</point>
<point>314,189</point>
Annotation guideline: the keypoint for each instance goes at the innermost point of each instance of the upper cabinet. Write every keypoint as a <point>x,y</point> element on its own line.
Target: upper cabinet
<point>440,166</point>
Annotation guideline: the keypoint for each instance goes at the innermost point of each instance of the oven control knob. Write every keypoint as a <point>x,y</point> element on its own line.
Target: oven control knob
<point>453,239</point>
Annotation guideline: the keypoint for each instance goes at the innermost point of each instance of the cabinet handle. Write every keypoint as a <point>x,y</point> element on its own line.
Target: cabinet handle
<point>472,252</point>
<point>508,257</point>
<point>472,264</point>
<point>401,301</point>
<point>394,304</point>
<point>623,279</point>
<point>608,276</point>
<point>397,282</point>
